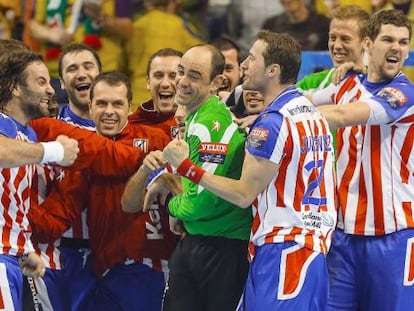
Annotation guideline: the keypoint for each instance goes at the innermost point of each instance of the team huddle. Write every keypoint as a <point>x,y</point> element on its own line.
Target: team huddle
<point>302,200</point>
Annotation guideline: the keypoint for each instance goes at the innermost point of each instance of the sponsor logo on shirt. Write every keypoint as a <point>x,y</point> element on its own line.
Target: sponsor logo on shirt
<point>213,152</point>
<point>141,143</point>
<point>257,138</point>
<point>301,109</point>
<point>393,96</point>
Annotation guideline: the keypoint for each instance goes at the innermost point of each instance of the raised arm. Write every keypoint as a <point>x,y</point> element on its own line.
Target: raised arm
<point>256,175</point>
<point>14,153</point>
<point>339,116</point>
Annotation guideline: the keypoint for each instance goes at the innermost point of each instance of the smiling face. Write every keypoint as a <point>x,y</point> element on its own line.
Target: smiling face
<point>345,43</point>
<point>109,108</point>
<point>161,82</point>
<point>79,68</point>
<point>387,52</point>
<point>253,102</point>
<point>35,92</point>
<point>193,78</point>
<point>231,70</point>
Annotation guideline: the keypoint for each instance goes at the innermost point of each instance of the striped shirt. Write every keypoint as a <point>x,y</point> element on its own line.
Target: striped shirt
<point>50,252</point>
<point>375,162</point>
<point>299,203</point>
<point>79,229</point>
<point>15,187</point>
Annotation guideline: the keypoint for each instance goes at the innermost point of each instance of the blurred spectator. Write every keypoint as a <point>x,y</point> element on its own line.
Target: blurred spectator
<point>377,5</point>
<point>57,23</point>
<point>245,18</point>
<point>232,71</point>
<point>217,18</point>
<point>10,12</point>
<point>155,30</point>
<point>325,6</point>
<point>194,14</point>
<point>302,23</point>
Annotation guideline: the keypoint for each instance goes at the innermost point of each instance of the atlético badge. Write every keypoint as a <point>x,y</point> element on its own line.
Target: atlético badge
<point>216,126</point>
<point>174,131</point>
<point>141,143</point>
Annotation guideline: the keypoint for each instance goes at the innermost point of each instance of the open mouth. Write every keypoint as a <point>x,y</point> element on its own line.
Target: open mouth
<point>82,87</point>
<point>392,59</point>
<point>166,96</point>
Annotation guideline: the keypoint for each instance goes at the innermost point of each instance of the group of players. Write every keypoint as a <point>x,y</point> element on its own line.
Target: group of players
<point>281,195</point>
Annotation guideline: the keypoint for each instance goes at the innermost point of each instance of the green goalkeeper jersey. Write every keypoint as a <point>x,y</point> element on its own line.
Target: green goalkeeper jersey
<point>217,145</point>
<point>315,81</point>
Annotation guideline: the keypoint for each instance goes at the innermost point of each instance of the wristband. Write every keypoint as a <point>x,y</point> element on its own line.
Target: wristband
<point>53,152</point>
<point>191,171</point>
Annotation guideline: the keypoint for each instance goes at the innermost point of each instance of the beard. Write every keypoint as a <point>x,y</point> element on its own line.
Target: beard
<point>31,105</point>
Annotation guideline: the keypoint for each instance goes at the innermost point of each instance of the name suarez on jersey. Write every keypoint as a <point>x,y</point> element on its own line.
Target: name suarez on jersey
<point>316,143</point>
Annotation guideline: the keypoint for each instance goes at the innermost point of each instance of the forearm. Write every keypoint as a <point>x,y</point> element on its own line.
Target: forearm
<point>134,193</point>
<point>117,26</point>
<point>14,153</point>
<point>339,116</point>
<point>231,190</point>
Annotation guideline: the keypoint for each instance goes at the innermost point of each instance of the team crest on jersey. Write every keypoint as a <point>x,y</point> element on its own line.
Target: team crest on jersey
<point>393,96</point>
<point>175,130</point>
<point>216,126</point>
<point>141,143</point>
<point>212,152</point>
<point>257,137</point>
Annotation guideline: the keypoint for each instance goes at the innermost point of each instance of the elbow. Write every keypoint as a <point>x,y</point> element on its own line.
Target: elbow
<point>245,201</point>
<point>129,207</point>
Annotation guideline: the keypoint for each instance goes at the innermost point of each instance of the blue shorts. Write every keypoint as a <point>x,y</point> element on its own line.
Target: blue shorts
<point>81,280</point>
<point>11,283</point>
<point>130,287</point>
<point>51,290</point>
<point>285,276</point>
<point>372,272</point>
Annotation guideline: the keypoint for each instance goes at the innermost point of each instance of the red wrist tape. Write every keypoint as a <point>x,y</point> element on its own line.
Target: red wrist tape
<point>191,171</point>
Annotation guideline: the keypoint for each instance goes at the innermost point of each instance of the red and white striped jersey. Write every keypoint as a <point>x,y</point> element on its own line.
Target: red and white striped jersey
<point>299,203</point>
<point>50,252</point>
<point>375,162</point>
<point>15,187</point>
<point>79,229</point>
<point>44,175</point>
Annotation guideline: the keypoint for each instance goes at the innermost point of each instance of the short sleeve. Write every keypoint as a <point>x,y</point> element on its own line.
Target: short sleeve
<point>7,126</point>
<point>266,137</point>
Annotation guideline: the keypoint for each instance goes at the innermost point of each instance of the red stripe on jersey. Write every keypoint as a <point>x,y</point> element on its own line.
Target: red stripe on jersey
<point>5,201</point>
<point>376,174</point>
<point>322,187</point>
<point>271,235</point>
<point>348,84</point>
<point>408,212</point>
<point>300,187</point>
<point>309,239</point>
<point>361,208</point>
<point>256,220</point>
<point>2,306</point>
<point>343,185</point>
<point>409,119</point>
<point>411,264</point>
<point>405,154</point>
<point>281,178</point>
